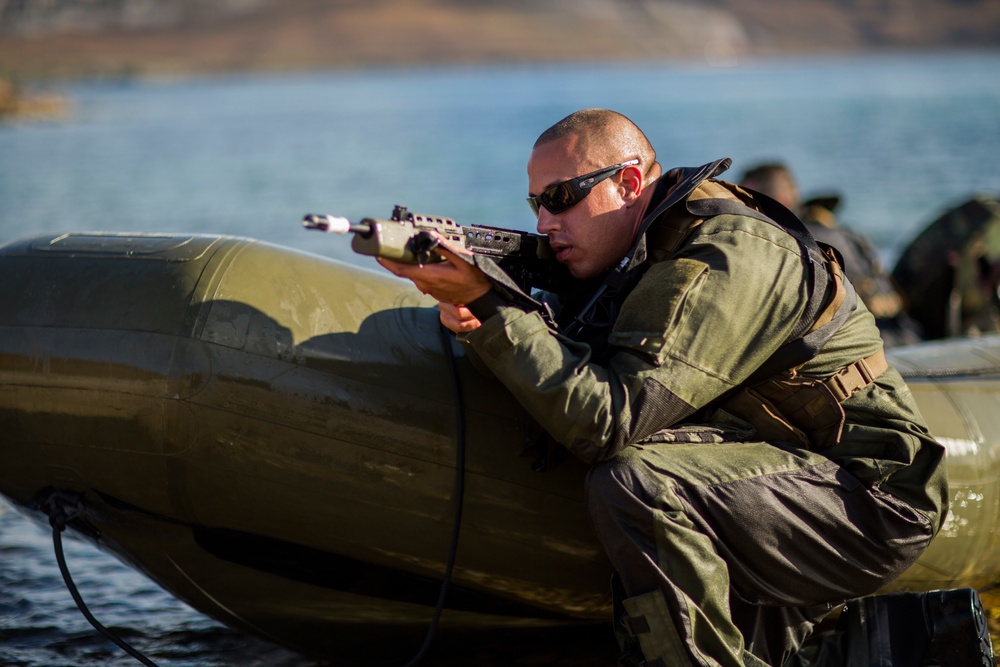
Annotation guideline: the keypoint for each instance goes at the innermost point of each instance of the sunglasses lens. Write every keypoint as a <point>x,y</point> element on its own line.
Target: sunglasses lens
<point>560,197</point>
<point>556,199</point>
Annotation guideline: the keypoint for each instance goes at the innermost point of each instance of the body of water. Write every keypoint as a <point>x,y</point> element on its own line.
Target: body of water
<point>901,137</point>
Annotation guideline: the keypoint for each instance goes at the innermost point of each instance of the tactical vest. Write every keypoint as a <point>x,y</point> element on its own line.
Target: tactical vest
<point>775,399</point>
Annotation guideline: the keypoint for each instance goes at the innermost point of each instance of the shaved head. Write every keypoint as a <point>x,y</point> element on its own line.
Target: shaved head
<point>775,180</point>
<point>606,137</point>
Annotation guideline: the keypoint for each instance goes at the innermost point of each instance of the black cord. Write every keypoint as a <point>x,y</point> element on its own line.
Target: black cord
<point>459,494</point>
<point>58,517</point>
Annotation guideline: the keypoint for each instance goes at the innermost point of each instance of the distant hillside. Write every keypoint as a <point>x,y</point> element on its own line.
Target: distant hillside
<point>42,39</point>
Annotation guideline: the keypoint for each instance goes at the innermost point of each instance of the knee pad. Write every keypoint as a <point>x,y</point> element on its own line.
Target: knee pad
<point>648,622</point>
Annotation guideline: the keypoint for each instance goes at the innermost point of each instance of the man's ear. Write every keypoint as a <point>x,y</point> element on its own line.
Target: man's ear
<point>632,183</point>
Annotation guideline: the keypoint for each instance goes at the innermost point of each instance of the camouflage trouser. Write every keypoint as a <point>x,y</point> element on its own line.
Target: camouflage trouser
<point>729,553</point>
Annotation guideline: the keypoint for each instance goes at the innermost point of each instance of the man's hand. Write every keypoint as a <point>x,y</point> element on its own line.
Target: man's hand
<point>458,318</point>
<point>453,282</point>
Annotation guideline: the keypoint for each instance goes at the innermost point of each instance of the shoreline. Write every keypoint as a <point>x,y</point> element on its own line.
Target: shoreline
<point>27,86</point>
<point>64,41</point>
<point>16,103</point>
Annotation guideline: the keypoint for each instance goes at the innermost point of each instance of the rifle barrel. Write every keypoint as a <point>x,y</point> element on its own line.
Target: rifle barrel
<point>334,224</point>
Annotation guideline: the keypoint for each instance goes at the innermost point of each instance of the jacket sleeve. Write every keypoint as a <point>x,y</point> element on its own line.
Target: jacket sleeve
<point>695,326</point>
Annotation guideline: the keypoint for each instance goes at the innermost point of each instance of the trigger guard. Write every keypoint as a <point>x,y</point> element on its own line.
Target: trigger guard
<point>422,246</point>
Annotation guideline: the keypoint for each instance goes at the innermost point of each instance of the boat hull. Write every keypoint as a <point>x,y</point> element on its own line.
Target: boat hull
<point>273,437</point>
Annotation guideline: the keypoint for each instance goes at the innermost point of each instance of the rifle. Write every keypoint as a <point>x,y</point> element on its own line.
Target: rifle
<point>407,237</point>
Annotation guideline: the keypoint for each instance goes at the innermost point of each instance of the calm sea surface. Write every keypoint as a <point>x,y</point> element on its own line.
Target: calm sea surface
<point>902,138</point>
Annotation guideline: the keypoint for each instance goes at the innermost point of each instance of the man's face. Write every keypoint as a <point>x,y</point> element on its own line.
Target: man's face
<point>593,235</point>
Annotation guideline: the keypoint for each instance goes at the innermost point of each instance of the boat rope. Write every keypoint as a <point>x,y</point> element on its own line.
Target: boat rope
<point>459,494</point>
<point>62,508</point>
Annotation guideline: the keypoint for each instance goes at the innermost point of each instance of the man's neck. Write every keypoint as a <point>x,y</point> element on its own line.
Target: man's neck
<point>652,194</point>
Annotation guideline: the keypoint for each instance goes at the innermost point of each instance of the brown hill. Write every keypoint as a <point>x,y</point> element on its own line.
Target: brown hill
<point>68,38</point>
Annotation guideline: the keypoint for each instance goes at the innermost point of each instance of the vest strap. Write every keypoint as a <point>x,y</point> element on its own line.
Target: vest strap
<point>854,377</point>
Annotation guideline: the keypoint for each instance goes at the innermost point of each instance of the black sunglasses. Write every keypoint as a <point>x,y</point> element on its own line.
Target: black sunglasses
<point>562,196</point>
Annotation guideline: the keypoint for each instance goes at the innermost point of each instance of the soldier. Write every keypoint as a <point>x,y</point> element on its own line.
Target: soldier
<point>861,263</point>
<point>755,460</point>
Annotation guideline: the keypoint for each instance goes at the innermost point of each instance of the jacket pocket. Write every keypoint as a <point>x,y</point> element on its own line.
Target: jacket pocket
<point>651,315</point>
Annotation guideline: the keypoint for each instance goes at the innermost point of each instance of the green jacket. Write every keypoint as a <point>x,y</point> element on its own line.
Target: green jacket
<point>705,314</point>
